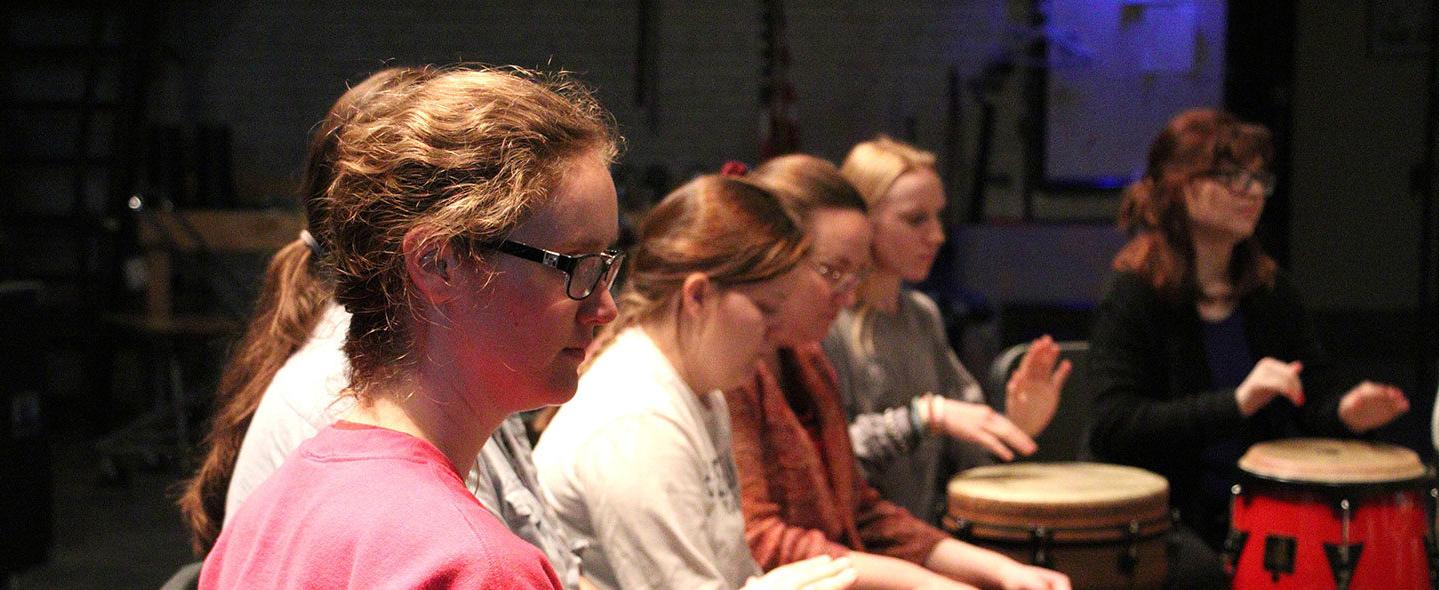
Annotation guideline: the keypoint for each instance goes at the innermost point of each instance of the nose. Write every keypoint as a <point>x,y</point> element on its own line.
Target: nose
<point>936,232</point>
<point>599,308</point>
<point>844,298</point>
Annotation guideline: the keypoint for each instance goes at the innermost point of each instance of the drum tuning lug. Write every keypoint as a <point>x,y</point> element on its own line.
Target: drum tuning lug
<point>1235,490</point>
<point>1433,548</point>
<point>1233,548</point>
<point>1341,562</point>
<point>959,527</point>
<point>1129,559</point>
<point>1039,547</point>
<point>1279,555</point>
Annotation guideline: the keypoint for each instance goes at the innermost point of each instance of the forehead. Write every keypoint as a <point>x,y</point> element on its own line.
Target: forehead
<point>837,230</point>
<point>917,188</point>
<point>771,289</point>
<point>581,214</point>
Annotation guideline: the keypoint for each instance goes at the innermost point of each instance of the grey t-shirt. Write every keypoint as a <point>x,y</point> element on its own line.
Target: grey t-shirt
<point>884,361</point>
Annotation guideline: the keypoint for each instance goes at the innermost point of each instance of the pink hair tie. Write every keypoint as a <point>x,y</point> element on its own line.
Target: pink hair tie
<point>734,168</point>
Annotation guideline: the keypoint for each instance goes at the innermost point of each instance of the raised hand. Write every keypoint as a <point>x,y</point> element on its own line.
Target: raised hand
<point>1371,405</point>
<point>1270,378</point>
<point>1032,394</point>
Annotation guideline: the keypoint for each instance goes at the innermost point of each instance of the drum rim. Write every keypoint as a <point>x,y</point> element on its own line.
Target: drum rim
<point>1428,479</point>
<point>1139,474</point>
<point>1426,471</point>
<point>1099,534</point>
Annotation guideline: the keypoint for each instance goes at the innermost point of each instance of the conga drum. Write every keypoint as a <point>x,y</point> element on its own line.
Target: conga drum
<point>1102,525</point>
<point>1320,513</point>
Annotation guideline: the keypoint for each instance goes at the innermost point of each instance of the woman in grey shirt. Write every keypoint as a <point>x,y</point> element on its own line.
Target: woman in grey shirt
<point>898,376</point>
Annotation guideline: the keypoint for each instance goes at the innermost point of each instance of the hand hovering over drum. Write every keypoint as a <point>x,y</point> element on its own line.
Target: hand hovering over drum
<point>1028,577</point>
<point>1032,394</point>
<point>815,573</point>
<point>1270,378</point>
<point>970,564</point>
<point>976,423</point>
<point>1370,405</point>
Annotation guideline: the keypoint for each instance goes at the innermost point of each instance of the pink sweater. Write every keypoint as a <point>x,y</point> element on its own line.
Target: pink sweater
<point>366,507</point>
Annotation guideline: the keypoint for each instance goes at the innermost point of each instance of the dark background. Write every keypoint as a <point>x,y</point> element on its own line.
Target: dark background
<point>205,104</point>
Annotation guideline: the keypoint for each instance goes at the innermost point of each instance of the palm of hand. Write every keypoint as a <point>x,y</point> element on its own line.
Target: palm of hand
<point>1371,405</point>
<point>1032,394</point>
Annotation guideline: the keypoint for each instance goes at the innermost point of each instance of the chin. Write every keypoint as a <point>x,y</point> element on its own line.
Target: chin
<point>557,392</point>
<point>916,275</point>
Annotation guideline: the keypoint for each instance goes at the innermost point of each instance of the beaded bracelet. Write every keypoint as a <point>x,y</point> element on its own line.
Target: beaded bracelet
<point>915,419</point>
<point>936,413</point>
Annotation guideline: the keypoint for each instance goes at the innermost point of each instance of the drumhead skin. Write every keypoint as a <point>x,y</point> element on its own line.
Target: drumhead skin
<point>1092,501</point>
<point>1332,461</point>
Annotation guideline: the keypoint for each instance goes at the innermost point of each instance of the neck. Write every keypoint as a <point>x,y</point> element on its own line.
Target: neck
<point>1212,255</point>
<point>666,336</point>
<point>881,291</point>
<point>432,405</point>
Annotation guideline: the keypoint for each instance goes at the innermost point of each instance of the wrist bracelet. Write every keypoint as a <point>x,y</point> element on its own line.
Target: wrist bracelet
<point>916,421</point>
<point>936,413</point>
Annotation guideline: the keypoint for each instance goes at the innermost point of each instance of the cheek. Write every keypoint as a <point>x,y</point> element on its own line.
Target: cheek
<point>889,246</point>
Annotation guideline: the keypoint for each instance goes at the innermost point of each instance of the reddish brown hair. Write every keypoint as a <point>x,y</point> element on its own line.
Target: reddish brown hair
<point>730,229</point>
<point>804,183</point>
<point>1194,143</point>
<point>294,294</point>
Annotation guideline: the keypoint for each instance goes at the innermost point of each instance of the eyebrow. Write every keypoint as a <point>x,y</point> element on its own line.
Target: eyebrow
<point>576,246</point>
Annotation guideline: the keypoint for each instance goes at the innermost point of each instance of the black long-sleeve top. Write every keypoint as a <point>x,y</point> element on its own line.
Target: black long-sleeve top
<point>1155,406</point>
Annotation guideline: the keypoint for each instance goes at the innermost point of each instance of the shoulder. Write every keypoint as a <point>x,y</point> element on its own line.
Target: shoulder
<point>1128,285</point>
<point>482,555</point>
<point>920,303</point>
<point>309,383</point>
<point>1284,289</point>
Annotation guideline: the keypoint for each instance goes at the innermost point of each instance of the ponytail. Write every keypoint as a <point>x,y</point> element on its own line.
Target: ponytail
<point>291,302</point>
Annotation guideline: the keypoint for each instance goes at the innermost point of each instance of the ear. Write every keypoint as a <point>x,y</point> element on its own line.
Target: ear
<point>429,263</point>
<point>695,292</point>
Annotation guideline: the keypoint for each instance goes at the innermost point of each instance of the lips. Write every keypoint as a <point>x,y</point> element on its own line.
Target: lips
<point>576,351</point>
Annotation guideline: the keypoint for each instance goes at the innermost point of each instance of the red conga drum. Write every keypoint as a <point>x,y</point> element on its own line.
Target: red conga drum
<point>1320,513</point>
<point>1102,525</point>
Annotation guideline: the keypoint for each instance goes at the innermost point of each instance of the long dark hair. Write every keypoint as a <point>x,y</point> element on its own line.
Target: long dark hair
<point>294,295</point>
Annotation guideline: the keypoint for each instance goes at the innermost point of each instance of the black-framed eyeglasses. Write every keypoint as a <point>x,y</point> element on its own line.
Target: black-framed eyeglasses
<point>839,280</point>
<point>583,273</point>
<point>1240,181</point>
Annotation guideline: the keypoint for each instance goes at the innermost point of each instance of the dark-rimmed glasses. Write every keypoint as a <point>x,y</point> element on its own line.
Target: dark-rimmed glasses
<point>1239,181</point>
<point>583,273</point>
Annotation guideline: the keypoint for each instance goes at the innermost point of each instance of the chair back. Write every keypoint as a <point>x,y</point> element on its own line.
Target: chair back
<point>1066,437</point>
<point>164,234</point>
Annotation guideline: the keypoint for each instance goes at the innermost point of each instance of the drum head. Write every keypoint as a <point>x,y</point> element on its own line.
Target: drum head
<point>1331,461</point>
<point>1060,495</point>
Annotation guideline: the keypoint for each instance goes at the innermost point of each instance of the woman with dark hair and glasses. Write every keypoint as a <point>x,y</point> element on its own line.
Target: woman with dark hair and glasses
<point>1201,346</point>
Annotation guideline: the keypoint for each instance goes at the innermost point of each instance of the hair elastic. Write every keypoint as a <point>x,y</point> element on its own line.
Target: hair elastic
<point>315,248</point>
